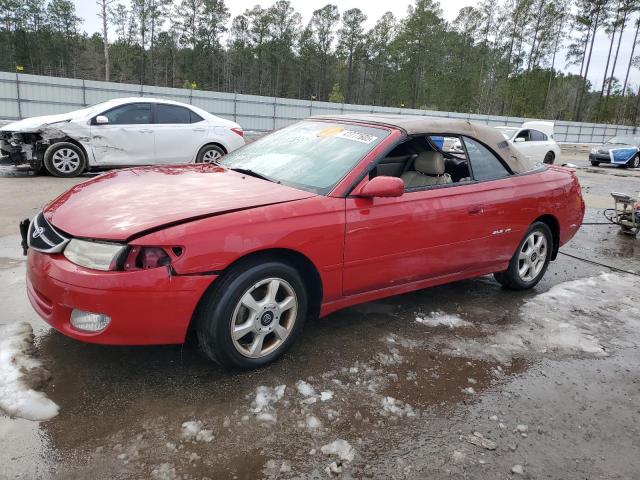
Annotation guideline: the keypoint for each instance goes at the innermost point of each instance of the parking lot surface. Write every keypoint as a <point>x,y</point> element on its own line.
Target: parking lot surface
<point>461,381</point>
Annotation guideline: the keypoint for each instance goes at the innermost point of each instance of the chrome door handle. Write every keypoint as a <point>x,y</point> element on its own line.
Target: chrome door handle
<point>146,131</point>
<point>199,129</point>
<point>477,210</point>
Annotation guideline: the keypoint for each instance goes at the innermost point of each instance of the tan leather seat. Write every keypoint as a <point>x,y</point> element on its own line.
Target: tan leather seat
<point>429,170</point>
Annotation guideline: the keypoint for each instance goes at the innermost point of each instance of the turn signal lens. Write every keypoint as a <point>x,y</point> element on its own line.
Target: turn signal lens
<point>143,258</point>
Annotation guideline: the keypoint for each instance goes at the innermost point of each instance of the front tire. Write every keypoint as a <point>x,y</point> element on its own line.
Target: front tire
<point>252,315</point>
<point>634,162</point>
<point>210,154</point>
<point>595,164</point>
<point>65,159</point>
<point>530,261</point>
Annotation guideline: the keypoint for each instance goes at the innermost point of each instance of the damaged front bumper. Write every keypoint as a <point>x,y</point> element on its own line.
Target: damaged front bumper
<point>21,148</point>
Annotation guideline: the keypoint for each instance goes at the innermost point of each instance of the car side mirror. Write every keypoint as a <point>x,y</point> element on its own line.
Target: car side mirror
<point>102,120</point>
<point>520,140</point>
<point>383,187</point>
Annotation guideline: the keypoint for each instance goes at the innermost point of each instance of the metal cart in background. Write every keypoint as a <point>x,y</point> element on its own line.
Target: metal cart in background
<point>626,213</point>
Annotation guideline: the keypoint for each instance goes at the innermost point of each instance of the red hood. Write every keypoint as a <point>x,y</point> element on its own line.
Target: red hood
<point>122,203</point>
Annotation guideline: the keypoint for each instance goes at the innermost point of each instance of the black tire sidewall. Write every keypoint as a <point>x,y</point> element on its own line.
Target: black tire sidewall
<point>595,164</point>
<point>215,317</point>
<point>634,162</point>
<point>512,272</point>
<point>551,156</point>
<point>48,163</point>
<point>205,149</point>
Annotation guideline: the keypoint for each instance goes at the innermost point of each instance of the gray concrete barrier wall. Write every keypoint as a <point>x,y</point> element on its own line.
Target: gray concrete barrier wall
<point>23,96</point>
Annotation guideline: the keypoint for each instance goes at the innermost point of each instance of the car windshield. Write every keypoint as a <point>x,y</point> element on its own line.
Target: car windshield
<point>624,140</point>
<point>507,132</point>
<point>310,155</point>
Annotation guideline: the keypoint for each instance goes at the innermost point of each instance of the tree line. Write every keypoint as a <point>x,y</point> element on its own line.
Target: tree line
<point>500,57</point>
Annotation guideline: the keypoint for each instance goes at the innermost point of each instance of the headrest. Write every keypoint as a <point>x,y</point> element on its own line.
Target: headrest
<point>430,163</point>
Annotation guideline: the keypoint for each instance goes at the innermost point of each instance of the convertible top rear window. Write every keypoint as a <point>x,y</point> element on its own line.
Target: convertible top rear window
<point>310,155</point>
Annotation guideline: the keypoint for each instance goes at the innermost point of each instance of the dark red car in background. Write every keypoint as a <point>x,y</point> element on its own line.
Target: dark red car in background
<point>320,215</point>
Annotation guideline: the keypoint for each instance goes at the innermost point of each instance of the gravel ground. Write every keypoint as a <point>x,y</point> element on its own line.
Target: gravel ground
<point>460,381</point>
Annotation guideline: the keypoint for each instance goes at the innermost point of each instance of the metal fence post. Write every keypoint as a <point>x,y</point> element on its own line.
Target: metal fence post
<point>275,103</point>
<point>18,96</point>
<point>235,107</point>
<point>84,94</point>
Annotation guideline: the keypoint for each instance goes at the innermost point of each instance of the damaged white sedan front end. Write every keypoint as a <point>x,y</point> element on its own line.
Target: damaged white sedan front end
<point>119,133</point>
<point>26,142</point>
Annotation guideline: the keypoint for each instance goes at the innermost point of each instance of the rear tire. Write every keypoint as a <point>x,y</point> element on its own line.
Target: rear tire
<point>253,314</point>
<point>531,259</point>
<point>549,158</point>
<point>65,159</point>
<point>210,154</point>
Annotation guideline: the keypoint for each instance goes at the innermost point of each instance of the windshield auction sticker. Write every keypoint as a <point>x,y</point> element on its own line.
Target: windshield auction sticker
<point>330,132</point>
<point>357,136</point>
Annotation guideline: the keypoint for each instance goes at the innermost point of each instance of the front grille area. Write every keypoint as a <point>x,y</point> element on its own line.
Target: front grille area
<point>43,237</point>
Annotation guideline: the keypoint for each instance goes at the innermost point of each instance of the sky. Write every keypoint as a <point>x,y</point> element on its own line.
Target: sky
<point>374,9</point>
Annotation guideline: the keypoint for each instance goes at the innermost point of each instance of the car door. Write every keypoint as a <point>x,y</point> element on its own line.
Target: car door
<point>501,201</point>
<point>540,144</point>
<point>523,143</point>
<point>180,132</point>
<point>128,137</point>
<point>426,233</point>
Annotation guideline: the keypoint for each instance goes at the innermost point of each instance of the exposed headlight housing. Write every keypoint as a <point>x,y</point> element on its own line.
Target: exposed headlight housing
<point>94,255</point>
<point>594,151</point>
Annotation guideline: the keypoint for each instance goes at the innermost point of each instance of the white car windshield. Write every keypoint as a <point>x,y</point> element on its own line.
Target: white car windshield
<point>311,155</point>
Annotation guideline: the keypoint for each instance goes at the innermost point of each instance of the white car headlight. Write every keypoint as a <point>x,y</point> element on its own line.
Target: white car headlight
<point>594,151</point>
<point>94,255</point>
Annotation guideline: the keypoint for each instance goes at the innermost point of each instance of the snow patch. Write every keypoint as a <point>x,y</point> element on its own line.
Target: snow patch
<point>326,395</point>
<point>439,319</point>
<point>20,374</point>
<point>341,448</point>
<point>164,471</point>
<point>305,389</point>
<point>193,432</point>
<point>312,422</point>
<point>572,318</point>
<point>266,397</point>
<point>397,407</point>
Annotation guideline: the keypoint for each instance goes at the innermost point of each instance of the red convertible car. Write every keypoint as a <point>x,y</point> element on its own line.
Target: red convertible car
<point>315,217</point>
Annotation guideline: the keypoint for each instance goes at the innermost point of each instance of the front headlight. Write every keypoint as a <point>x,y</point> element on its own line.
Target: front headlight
<point>94,255</point>
<point>594,151</point>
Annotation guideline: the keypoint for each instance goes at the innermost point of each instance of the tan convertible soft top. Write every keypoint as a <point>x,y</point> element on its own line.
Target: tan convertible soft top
<point>417,125</point>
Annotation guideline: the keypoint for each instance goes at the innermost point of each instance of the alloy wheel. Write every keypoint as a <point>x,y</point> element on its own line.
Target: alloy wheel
<point>66,160</point>
<point>532,256</point>
<point>211,156</point>
<point>264,317</point>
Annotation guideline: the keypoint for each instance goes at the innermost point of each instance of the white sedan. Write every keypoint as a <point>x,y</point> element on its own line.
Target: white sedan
<point>535,140</point>
<point>118,133</point>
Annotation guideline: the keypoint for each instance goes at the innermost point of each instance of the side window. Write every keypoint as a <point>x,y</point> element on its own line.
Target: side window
<point>195,118</point>
<point>537,136</point>
<point>484,164</point>
<point>172,114</point>
<point>524,135</point>
<point>130,114</point>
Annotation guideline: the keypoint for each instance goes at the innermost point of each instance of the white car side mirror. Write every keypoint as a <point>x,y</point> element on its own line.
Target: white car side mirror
<point>102,120</point>
<point>519,140</point>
